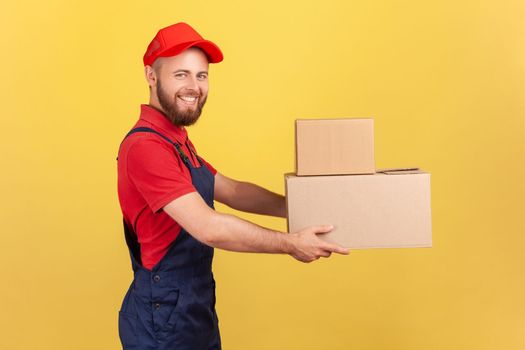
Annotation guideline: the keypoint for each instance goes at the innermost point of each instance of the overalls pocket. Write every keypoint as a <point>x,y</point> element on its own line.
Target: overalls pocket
<point>165,314</point>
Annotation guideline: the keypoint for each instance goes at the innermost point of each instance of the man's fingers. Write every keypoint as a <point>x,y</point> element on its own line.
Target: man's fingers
<point>337,249</point>
<point>325,253</point>
<point>327,246</point>
<point>311,247</point>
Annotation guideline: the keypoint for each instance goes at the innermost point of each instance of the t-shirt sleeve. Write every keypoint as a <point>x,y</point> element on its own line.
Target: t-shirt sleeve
<point>157,173</point>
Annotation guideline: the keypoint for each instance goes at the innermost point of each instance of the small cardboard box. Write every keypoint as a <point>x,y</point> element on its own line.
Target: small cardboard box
<point>334,146</point>
<point>389,209</point>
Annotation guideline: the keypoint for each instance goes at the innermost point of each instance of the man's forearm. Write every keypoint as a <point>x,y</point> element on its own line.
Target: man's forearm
<point>233,233</point>
<point>251,198</point>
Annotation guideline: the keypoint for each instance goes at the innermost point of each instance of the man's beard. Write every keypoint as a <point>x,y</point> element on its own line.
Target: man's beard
<point>176,115</point>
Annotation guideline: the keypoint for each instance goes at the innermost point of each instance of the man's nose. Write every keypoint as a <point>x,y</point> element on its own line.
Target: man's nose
<point>193,84</point>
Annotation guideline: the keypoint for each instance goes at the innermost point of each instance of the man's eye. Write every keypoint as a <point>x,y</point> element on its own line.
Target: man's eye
<point>180,75</point>
<point>202,76</point>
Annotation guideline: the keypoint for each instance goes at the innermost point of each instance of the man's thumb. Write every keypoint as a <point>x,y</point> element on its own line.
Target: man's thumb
<point>323,229</point>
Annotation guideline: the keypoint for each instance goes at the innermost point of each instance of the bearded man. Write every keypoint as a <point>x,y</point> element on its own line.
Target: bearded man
<point>167,193</point>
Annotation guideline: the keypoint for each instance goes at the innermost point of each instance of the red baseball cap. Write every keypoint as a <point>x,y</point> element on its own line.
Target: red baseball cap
<point>172,40</point>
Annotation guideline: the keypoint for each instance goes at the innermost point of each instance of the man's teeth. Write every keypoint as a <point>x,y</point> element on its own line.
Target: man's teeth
<point>188,98</point>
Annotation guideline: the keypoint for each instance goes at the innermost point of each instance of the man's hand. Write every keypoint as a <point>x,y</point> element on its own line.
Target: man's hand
<point>307,247</point>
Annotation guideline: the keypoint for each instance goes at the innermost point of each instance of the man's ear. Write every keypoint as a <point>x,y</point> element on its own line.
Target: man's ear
<point>151,75</point>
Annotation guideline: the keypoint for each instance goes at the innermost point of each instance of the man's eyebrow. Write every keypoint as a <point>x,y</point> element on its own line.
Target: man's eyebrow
<point>187,71</point>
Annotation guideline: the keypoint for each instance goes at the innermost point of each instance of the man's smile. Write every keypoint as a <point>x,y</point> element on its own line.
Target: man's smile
<point>188,100</point>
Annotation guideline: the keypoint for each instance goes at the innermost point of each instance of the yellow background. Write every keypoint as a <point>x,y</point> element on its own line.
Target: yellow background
<point>444,81</point>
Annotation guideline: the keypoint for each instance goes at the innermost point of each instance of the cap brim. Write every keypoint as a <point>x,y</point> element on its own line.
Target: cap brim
<point>211,50</point>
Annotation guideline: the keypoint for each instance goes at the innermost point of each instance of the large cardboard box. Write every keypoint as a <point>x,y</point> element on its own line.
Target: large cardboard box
<point>389,209</point>
<point>334,146</point>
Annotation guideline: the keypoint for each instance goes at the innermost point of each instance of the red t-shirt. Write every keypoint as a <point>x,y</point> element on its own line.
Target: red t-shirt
<point>151,174</point>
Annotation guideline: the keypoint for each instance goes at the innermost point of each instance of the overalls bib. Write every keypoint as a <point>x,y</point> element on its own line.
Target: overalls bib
<point>173,305</point>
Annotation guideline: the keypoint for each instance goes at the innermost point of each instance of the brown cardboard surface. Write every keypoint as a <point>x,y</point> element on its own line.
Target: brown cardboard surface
<point>382,210</point>
<point>334,146</point>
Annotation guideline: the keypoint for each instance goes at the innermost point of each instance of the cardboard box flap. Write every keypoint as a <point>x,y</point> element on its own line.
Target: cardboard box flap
<point>400,171</point>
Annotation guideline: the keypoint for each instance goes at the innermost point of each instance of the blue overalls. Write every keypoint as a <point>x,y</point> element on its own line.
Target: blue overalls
<point>173,305</point>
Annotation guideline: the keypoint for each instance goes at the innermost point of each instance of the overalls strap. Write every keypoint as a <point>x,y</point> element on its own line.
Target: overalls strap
<point>177,145</point>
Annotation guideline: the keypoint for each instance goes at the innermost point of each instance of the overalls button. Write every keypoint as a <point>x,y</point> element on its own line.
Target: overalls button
<point>157,306</point>
<point>156,278</point>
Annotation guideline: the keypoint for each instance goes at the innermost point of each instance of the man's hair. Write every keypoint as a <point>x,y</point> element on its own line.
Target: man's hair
<point>156,66</point>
